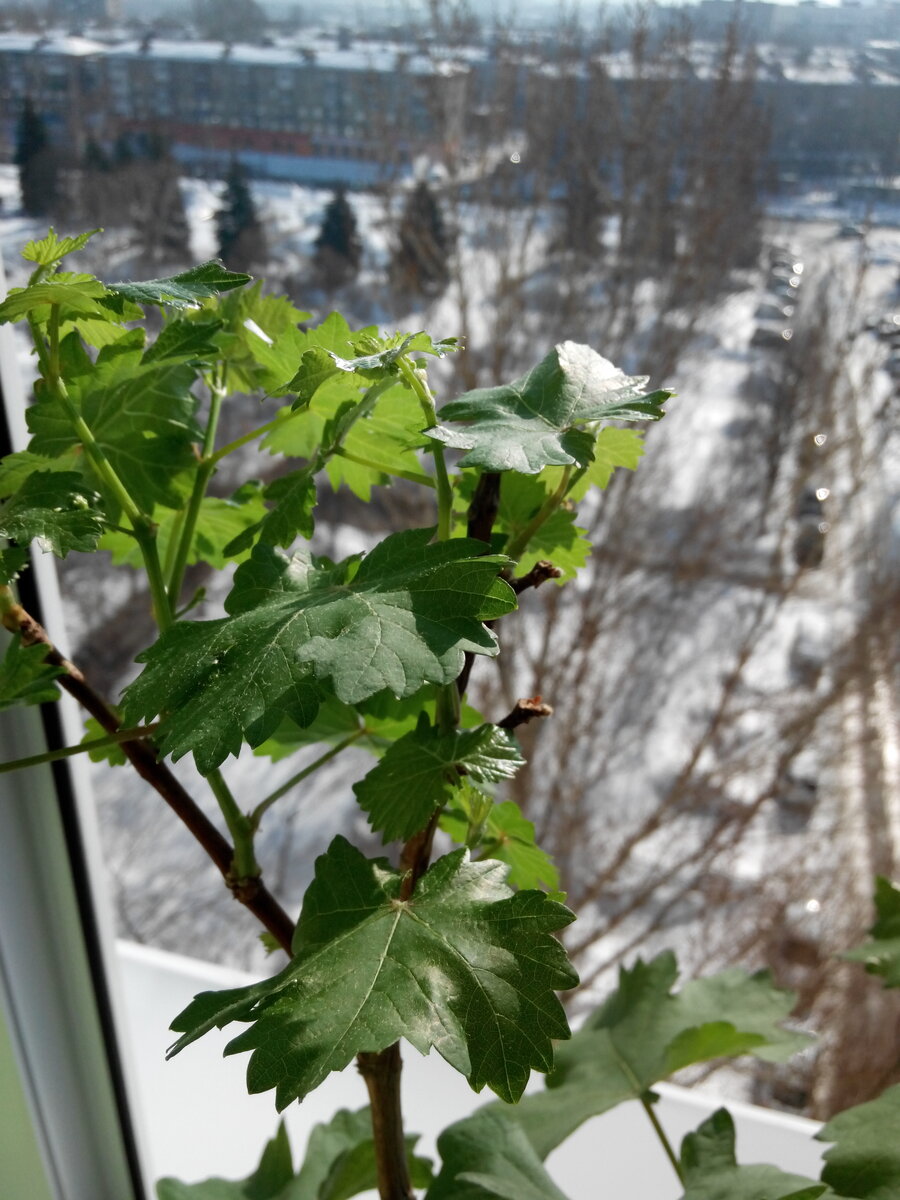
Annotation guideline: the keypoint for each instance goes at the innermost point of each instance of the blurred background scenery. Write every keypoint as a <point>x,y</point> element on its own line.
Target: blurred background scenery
<point>709,195</point>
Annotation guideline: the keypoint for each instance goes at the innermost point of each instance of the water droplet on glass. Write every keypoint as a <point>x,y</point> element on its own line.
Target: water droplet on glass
<point>823,493</point>
<point>515,157</point>
<point>820,439</point>
<point>813,906</point>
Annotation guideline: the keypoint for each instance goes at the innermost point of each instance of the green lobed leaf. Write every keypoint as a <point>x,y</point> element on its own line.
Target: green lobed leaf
<point>183,340</point>
<point>865,1161</point>
<point>614,449</point>
<point>402,617</point>
<point>185,290</point>
<point>539,419</point>
<point>24,676</point>
<point>463,966</point>
<point>376,722</point>
<point>881,954</point>
<point>55,510</point>
<point>112,754</point>
<point>644,1032</point>
<point>260,340</point>
<point>558,539</point>
<point>340,1160</point>
<point>294,496</point>
<point>711,1171</point>
<point>506,835</point>
<point>489,1155</point>
<point>141,415</point>
<point>53,249</point>
<point>13,561</point>
<point>273,1179</point>
<point>382,444</point>
<point>78,294</point>
<point>15,468</point>
<point>420,772</point>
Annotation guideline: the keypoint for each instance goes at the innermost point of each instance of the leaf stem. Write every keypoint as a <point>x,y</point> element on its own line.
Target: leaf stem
<point>414,477</point>
<point>517,545</point>
<point>245,439</point>
<point>263,806</point>
<point>661,1134</point>
<point>240,826</point>
<point>113,739</point>
<point>205,472</point>
<point>417,380</point>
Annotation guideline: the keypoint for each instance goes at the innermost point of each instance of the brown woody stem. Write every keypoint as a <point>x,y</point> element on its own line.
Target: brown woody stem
<point>251,892</point>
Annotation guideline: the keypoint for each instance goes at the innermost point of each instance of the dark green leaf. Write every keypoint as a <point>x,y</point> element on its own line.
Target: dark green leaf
<point>55,510</point>
<point>644,1032</point>
<point>13,561</point>
<point>294,496</point>
<point>53,249</point>
<point>142,417</point>
<point>184,340</point>
<point>882,953</point>
<point>272,1179</point>
<point>463,966</point>
<point>711,1171</point>
<point>421,770</point>
<point>537,420</point>
<point>16,468</point>
<point>340,1160</point>
<point>185,290</point>
<point>404,618</point>
<point>489,1155</point>
<point>865,1161</point>
<point>24,676</point>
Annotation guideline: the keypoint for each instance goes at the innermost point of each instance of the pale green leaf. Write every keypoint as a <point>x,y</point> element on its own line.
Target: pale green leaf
<point>403,617</point>
<point>183,340</point>
<point>539,420</point>
<point>488,1155</point>
<point>15,468</point>
<point>711,1171</point>
<point>272,1180</point>
<point>865,1161</point>
<point>419,773</point>
<point>463,966</point>
<point>53,249</point>
<point>340,1160</point>
<point>79,296</point>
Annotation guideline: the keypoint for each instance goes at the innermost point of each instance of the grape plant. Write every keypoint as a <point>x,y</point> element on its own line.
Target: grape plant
<point>454,951</point>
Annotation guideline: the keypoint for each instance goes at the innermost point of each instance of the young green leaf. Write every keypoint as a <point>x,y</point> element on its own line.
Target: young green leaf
<point>112,754</point>
<point>340,1160</point>
<point>463,966</point>
<point>24,676</point>
<point>557,539</point>
<point>506,835</point>
<point>401,618</point>
<point>538,420</point>
<point>711,1171</point>
<point>13,561</point>
<point>865,1161</point>
<point>420,772</point>
<point>294,496</point>
<point>15,468</point>
<point>184,290</point>
<point>272,1180</point>
<point>488,1155</point>
<point>183,340</point>
<point>53,249</point>
<point>881,954</point>
<point>54,509</point>
<point>78,294</point>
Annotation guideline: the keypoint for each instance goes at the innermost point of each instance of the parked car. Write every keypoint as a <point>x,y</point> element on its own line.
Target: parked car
<point>851,230</point>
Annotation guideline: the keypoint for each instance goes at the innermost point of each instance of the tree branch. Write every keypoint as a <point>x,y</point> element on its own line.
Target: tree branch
<point>142,755</point>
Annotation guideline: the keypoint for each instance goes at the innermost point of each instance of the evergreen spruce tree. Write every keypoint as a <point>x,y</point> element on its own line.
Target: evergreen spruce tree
<point>240,235</point>
<point>338,248</point>
<point>37,162</point>
<point>424,245</point>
